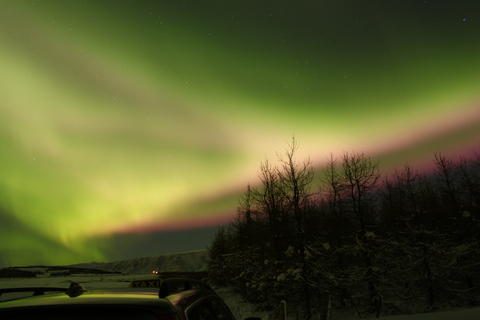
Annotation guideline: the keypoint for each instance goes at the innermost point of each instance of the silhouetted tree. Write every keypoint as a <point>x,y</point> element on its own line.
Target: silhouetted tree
<point>270,202</point>
<point>294,183</point>
<point>217,264</point>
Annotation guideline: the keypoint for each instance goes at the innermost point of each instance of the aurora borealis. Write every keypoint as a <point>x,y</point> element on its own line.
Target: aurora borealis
<point>124,120</point>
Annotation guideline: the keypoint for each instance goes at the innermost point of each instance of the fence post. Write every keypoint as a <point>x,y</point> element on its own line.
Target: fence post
<point>280,312</point>
<point>325,305</point>
<point>284,309</point>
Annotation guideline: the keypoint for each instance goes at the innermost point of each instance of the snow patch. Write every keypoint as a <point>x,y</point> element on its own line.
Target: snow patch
<point>282,277</point>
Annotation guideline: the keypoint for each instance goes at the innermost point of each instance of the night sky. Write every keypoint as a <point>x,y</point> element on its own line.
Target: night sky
<point>131,128</point>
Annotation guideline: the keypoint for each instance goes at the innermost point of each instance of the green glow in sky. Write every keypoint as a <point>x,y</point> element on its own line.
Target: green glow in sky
<point>141,117</point>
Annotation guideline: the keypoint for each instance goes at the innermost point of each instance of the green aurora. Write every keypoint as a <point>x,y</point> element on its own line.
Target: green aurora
<point>131,119</point>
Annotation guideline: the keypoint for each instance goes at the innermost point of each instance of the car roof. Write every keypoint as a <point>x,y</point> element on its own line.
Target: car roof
<point>92,298</point>
<point>169,296</point>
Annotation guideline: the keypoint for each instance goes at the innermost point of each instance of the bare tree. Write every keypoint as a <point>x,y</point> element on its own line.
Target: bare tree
<point>361,180</point>
<point>470,183</point>
<point>445,168</point>
<point>270,200</point>
<point>361,184</point>
<point>295,181</point>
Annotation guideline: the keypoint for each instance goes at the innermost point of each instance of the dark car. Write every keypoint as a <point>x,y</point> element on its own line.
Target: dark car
<point>149,299</point>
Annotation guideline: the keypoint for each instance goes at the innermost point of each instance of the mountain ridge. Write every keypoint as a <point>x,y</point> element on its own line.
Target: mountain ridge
<point>191,261</point>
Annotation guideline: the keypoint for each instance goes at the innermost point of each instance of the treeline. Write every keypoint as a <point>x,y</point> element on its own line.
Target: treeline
<point>404,243</point>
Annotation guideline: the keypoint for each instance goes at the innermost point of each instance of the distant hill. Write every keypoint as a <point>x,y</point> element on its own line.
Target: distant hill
<point>192,261</point>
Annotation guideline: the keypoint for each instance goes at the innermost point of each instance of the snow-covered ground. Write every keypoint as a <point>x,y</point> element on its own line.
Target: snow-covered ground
<point>188,262</point>
<point>460,314</point>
